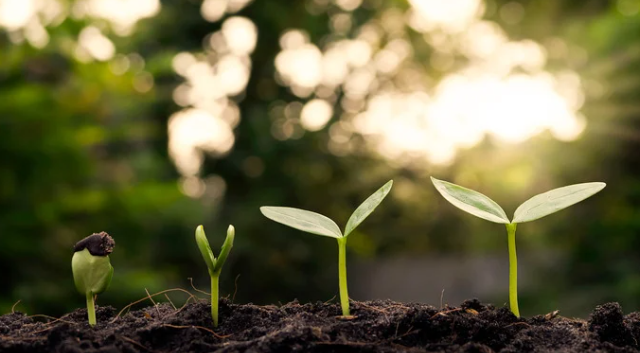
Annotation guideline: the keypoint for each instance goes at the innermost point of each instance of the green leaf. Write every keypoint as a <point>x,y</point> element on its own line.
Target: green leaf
<point>205,249</point>
<point>471,201</point>
<point>307,221</point>
<point>364,210</point>
<point>555,200</point>
<point>91,274</point>
<point>226,248</point>
<point>107,281</point>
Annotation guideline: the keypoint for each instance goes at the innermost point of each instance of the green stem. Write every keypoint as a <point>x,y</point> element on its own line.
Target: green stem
<point>342,273</point>
<point>513,269</point>
<point>214,299</point>
<point>91,309</point>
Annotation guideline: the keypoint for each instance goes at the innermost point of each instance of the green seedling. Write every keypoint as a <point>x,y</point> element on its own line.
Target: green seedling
<point>214,265</point>
<point>316,223</point>
<point>536,207</point>
<point>92,270</point>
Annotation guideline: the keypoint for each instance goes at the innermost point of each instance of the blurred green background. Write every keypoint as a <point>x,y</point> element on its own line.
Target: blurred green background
<point>145,118</point>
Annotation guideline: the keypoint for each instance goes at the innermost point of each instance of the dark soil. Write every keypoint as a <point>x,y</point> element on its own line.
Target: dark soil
<point>378,326</point>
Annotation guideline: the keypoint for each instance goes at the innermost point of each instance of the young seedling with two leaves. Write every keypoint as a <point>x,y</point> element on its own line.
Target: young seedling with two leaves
<point>92,270</point>
<point>536,207</point>
<point>214,265</point>
<point>316,223</point>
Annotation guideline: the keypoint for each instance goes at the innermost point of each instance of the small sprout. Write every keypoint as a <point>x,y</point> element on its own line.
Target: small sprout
<point>214,265</point>
<point>92,270</point>
<point>536,207</point>
<point>316,223</point>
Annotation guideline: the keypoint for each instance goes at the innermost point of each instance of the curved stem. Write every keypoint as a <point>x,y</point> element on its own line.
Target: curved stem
<point>91,309</point>
<point>214,299</point>
<point>513,269</point>
<point>342,273</point>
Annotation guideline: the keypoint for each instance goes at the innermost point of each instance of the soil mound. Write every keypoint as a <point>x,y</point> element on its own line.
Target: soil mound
<point>377,326</point>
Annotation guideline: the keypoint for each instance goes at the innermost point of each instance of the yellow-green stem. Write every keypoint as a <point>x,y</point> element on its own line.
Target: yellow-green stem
<point>91,309</point>
<point>342,273</point>
<point>513,269</point>
<point>214,299</point>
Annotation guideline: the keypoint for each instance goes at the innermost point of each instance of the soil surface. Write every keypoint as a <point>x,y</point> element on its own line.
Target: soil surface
<point>377,326</point>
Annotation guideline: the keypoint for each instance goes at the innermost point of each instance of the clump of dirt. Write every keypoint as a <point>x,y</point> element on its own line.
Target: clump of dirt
<point>607,323</point>
<point>377,326</point>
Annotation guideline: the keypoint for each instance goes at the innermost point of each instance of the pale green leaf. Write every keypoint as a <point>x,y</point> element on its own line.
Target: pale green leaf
<point>226,249</point>
<point>471,201</point>
<point>205,248</point>
<point>364,210</point>
<point>91,274</point>
<point>303,220</point>
<point>555,200</point>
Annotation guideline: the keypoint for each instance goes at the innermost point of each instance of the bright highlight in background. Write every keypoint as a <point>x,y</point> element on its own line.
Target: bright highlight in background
<point>206,123</point>
<point>499,89</point>
<point>371,82</point>
<point>316,114</point>
<point>16,13</point>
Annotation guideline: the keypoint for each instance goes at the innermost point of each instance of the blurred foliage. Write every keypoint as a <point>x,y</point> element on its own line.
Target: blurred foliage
<point>82,151</point>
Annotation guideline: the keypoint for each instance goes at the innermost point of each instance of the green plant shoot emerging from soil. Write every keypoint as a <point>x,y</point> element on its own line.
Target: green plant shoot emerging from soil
<point>214,265</point>
<point>92,270</point>
<point>536,207</point>
<point>316,223</point>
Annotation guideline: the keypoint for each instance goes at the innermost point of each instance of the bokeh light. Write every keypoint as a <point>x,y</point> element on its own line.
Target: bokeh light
<point>211,82</point>
<point>316,114</point>
<point>501,89</point>
<point>92,42</point>
<point>122,14</point>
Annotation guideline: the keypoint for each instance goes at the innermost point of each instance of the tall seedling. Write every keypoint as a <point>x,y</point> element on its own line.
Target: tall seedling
<point>316,223</point>
<point>536,207</point>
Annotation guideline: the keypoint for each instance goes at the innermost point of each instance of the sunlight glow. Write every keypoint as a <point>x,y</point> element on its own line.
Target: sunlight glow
<point>499,89</point>
<point>462,111</point>
<point>206,123</point>
<point>300,66</point>
<point>233,74</point>
<point>193,132</point>
<point>448,16</point>
<point>316,114</point>
<point>214,10</point>
<point>36,34</point>
<point>240,34</point>
<point>123,14</point>
<point>16,14</point>
<point>27,19</point>
<point>93,42</point>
